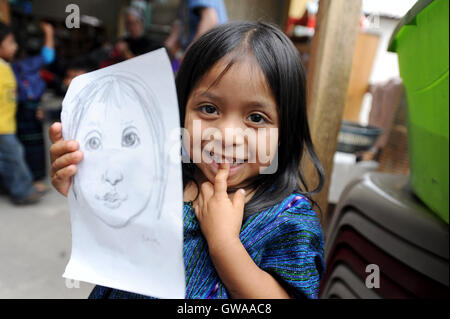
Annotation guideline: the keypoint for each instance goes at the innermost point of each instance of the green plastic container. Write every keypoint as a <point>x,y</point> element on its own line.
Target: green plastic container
<point>422,44</point>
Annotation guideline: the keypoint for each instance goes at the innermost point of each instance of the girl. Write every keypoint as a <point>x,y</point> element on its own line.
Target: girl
<point>247,234</point>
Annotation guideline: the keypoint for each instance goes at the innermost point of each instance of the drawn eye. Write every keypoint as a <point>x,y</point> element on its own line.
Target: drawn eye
<point>130,139</point>
<point>257,118</point>
<point>93,142</point>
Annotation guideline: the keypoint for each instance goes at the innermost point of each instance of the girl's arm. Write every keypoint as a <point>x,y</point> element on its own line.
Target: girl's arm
<point>242,277</point>
<point>220,220</point>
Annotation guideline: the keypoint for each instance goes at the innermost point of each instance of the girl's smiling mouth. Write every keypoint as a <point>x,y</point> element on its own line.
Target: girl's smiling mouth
<point>112,199</point>
<point>214,161</point>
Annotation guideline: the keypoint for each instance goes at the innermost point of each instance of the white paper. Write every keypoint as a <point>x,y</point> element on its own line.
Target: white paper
<point>126,197</point>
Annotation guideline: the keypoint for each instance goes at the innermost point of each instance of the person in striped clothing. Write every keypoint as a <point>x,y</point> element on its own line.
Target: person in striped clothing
<point>250,230</point>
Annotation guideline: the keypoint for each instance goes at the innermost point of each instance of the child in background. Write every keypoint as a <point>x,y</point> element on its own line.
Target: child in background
<point>15,175</point>
<point>246,234</point>
<point>31,87</point>
<point>78,67</point>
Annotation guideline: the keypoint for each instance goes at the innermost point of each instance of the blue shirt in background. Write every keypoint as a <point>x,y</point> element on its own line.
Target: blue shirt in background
<point>190,17</point>
<point>30,85</point>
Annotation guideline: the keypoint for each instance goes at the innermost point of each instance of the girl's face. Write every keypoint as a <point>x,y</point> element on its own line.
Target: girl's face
<point>115,163</point>
<point>235,120</point>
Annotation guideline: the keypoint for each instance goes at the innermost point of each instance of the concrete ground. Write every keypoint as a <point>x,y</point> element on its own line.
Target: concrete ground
<point>35,245</point>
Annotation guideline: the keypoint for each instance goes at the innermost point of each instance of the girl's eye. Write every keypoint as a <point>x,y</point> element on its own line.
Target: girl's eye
<point>130,139</point>
<point>257,118</point>
<point>208,109</point>
<point>94,143</point>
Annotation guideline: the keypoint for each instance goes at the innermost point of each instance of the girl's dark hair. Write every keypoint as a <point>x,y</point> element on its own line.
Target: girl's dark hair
<point>281,65</point>
<point>4,31</point>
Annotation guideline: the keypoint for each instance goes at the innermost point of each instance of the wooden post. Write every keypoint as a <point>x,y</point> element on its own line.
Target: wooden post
<point>365,52</point>
<point>328,79</point>
<point>5,15</point>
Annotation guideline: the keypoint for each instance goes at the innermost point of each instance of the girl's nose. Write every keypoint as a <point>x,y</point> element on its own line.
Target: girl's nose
<point>233,133</point>
<point>113,177</point>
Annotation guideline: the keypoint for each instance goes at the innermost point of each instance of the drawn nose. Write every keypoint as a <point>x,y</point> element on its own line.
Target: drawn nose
<point>113,177</point>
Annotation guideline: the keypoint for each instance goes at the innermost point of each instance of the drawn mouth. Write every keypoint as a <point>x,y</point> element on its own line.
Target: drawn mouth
<point>112,199</point>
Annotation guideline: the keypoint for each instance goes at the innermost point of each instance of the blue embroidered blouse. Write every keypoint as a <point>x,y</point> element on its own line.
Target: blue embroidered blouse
<point>285,240</point>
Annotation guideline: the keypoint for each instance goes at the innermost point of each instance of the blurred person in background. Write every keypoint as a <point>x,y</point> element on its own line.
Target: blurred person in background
<point>79,66</point>
<point>196,17</point>
<point>135,42</point>
<point>29,115</point>
<point>15,176</point>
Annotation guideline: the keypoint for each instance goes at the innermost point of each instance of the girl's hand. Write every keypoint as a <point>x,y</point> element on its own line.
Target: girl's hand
<point>64,156</point>
<point>219,217</point>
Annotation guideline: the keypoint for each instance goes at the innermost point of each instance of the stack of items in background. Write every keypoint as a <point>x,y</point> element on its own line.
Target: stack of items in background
<point>396,224</point>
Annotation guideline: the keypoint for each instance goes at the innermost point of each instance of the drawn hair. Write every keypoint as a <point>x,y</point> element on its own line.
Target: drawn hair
<point>115,91</point>
<point>280,62</point>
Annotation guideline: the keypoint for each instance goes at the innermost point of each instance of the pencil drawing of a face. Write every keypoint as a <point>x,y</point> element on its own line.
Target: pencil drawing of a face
<point>117,133</point>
